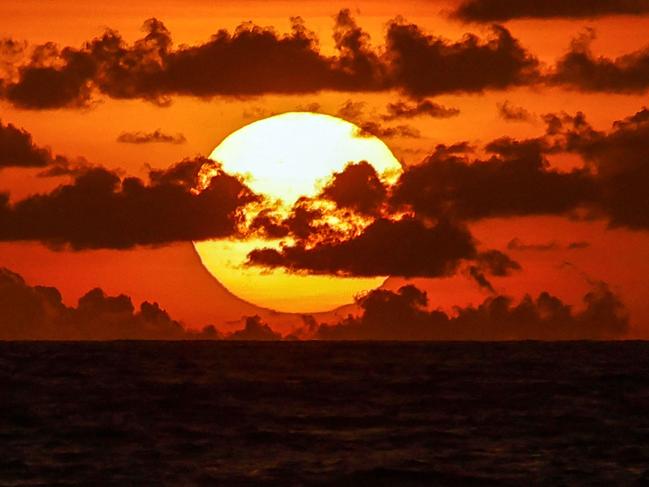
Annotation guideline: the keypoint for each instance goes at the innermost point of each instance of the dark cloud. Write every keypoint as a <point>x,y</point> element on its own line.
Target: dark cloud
<point>494,263</point>
<point>255,330</point>
<point>52,78</point>
<point>354,111</point>
<point>518,245</point>
<point>157,136</point>
<point>499,10</point>
<point>17,149</point>
<point>377,130</point>
<point>403,109</point>
<point>405,247</point>
<point>253,60</point>
<point>581,69</point>
<point>619,159</point>
<point>516,181</point>
<point>512,113</point>
<point>425,65</point>
<point>402,315</point>
<point>38,313</point>
<point>100,210</point>
<point>357,187</point>
<point>351,110</point>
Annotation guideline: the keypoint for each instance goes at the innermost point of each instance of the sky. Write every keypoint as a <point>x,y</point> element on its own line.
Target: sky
<point>521,210</point>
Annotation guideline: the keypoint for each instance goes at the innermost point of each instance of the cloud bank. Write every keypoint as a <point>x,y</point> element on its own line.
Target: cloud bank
<point>38,313</point>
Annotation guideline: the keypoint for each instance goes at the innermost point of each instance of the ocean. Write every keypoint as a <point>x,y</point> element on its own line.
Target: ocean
<point>324,413</point>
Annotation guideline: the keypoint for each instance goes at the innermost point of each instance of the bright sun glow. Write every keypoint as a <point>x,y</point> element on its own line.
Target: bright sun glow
<point>285,157</point>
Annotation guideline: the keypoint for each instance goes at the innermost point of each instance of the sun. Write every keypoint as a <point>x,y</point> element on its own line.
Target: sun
<point>285,157</point>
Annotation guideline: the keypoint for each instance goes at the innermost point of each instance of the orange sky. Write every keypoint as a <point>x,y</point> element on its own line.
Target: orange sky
<point>173,275</point>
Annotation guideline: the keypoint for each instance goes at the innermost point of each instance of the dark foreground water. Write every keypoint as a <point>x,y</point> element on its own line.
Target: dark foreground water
<point>386,414</point>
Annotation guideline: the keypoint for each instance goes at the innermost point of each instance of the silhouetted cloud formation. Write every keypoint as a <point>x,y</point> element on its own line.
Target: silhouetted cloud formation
<point>405,247</point>
<point>619,159</point>
<point>357,187</point>
<point>516,181</point>
<point>499,10</point>
<point>517,244</point>
<point>17,149</point>
<point>100,210</point>
<point>581,69</point>
<point>494,263</point>
<point>157,136</point>
<point>377,130</point>
<point>255,330</point>
<point>512,113</point>
<point>254,60</point>
<point>424,65</point>
<point>38,313</point>
<point>403,109</point>
<point>402,315</point>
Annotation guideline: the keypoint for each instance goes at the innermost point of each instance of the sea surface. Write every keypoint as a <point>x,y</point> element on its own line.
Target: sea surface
<point>324,413</point>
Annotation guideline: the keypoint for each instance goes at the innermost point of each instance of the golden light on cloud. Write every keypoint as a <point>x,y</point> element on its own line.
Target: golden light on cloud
<point>285,157</point>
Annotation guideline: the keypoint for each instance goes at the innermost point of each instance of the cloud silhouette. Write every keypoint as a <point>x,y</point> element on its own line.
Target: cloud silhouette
<point>582,70</point>
<point>517,180</point>
<point>157,136</point>
<point>500,10</point>
<point>424,65</point>
<point>512,113</point>
<point>405,247</point>
<point>255,330</point>
<point>100,210</point>
<point>38,313</point>
<point>17,149</point>
<point>403,109</point>
<point>253,60</point>
<point>402,315</point>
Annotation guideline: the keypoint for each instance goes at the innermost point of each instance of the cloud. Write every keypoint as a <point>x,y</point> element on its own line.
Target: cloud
<point>354,111</point>
<point>377,130</point>
<point>424,65</point>
<point>517,180</point>
<point>357,187</point>
<point>580,69</point>
<point>494,263</point>
<point>100,210</point>
<point>38,313</point>
<point>500,10</point>
<point>402,109</point>
<point>518,245</point>
<point>351,110</point>
<point>619,159</point>
<point>405,247</point>
<point>402,315</point>
<point>255,330</point>
<point>253,60</point>
<point>512,113</point>
<point>17,149</point>
<point>157,136</point>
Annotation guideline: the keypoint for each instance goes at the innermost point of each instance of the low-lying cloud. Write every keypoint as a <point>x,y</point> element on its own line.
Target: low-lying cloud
<point>155,137</point>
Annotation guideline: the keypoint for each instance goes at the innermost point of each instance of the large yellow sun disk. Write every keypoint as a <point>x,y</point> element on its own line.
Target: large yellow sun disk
<point>284,157</point>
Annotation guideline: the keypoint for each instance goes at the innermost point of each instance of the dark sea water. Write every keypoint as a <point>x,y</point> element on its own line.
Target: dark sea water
<point>317,413</point>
